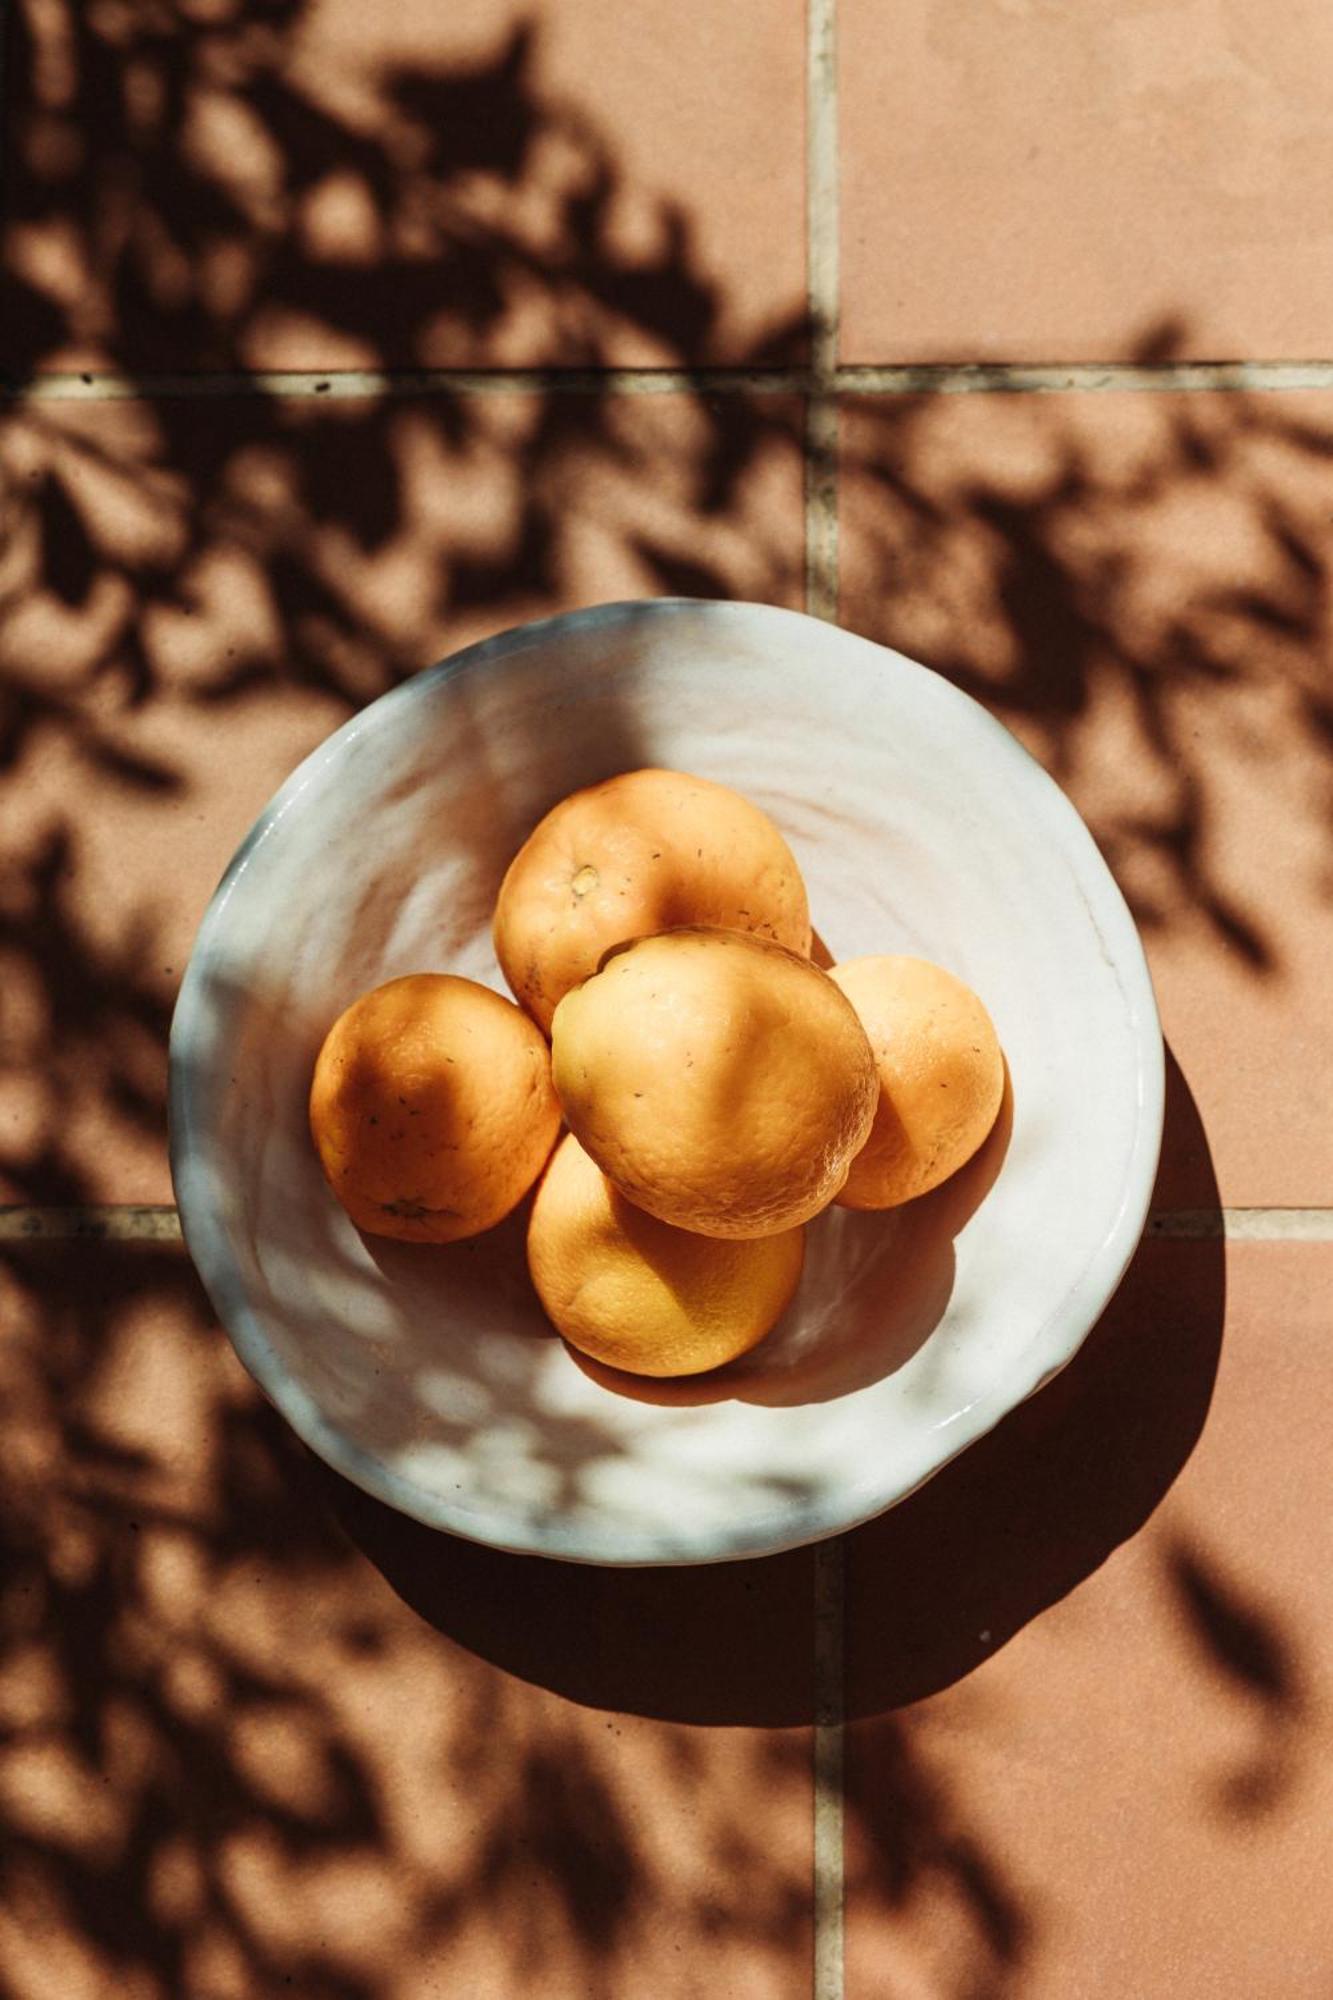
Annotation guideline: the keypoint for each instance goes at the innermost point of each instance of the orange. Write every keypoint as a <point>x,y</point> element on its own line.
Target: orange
<point>641,853</point>
<point>941,1077</point>
<point>636,1293</point>
<point>432,1108</point>
<point>722,1082</point>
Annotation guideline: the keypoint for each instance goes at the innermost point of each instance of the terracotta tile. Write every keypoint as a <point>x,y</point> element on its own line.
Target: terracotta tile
<point>236,1762</point>
<point>1137,585</point>
<point>198,591</point>
<point>1047,184</point>
<point>1135,1794</point>
<point>312,186</point>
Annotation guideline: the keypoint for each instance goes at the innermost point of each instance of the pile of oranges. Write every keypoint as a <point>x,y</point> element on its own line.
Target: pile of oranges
<point>718,1088</point>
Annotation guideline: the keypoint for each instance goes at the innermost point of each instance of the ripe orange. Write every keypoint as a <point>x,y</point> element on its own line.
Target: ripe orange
<point>643,852</point>
<point>432,1108</point>
<point>941,1077</point>
<point>637,1294</point>
<point>721,1081</point>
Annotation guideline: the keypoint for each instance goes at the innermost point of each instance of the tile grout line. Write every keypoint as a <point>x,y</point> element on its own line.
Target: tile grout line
<point>340,385</point>
<point>822,303</point>
<point>821,600</point>
<point>824,378</point>
<point>157,1222</point>
<point>828,1761</point>
<point>1038,378</point>
<point>1242,1225</point>
<point>92,1222</point>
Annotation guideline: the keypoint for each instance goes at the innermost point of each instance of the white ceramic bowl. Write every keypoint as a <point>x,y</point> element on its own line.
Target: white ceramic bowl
<point>429,1376</point>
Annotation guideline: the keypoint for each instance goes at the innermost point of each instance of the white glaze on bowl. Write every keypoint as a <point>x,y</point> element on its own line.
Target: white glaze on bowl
<point>429,1376</point>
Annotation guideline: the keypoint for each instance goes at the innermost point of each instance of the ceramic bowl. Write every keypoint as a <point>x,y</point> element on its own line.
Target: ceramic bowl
<point>429,1375</point>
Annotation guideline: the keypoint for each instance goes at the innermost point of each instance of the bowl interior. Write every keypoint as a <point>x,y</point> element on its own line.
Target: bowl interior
<point>430,1375</point>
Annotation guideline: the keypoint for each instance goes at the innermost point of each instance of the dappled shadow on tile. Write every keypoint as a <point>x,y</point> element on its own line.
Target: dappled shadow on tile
<point>232,1761</point>
<point>254,186</point>
<point>1259,1664</point>
<point>86,1019</point>
<point>914,1849</point>
<point>1138,586</point>
<point>194,591</point>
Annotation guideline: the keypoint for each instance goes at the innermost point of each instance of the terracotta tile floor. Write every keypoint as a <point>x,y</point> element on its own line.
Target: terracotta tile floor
<point>556,307</point>
<point>1029,183</point>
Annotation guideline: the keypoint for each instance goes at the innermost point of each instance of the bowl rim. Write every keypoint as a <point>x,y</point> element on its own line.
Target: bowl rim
<point>1051,1346</point>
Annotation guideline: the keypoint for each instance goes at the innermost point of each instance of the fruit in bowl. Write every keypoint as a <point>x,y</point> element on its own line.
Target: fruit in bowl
<point>646,851</point>
<point>641,1295</point>
<point>432,1108</point>
<point>940,1071</point>
<point>722,1082</point>
<point>719,1087</point>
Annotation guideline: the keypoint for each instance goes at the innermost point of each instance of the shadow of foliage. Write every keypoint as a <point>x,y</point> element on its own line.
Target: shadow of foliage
<point>1138,585</point>
<point>231,1760</point>
<point>177,572</point>
<point>1247,1648</point>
